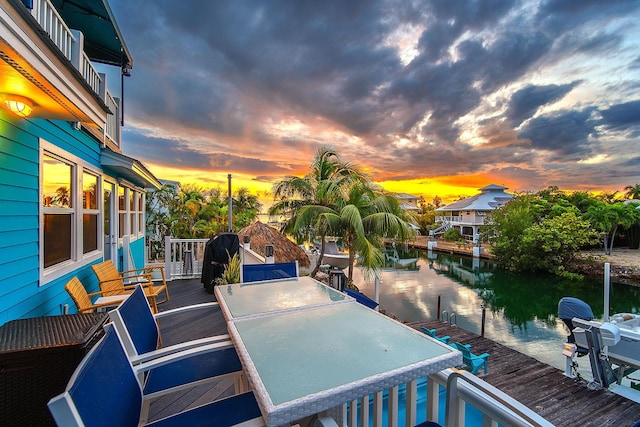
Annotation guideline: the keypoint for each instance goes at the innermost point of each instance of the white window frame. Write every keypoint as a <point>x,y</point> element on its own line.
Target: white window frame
<point>78,259</point>
<point>87,211</point>
<point>133,226</point>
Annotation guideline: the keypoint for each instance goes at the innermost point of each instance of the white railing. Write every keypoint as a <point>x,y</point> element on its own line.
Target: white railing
<point>90,74</point>
<point>71,44</point>
<point>51,22</point>
<point>461,388</point>
<point>183,257</point>
<point>113,120</point>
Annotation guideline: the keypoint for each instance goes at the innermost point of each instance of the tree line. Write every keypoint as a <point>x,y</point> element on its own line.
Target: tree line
<point>545,230</point>
<point>191,212</point>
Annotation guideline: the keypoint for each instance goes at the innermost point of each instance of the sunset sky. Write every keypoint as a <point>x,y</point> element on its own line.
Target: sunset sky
<point>429,97</point>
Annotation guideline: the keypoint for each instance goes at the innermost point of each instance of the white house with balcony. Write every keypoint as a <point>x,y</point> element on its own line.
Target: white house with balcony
<point>468,215</point>
<point>408,202</point>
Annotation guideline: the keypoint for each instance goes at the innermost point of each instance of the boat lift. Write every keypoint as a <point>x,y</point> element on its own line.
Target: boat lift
<point>613,344</point>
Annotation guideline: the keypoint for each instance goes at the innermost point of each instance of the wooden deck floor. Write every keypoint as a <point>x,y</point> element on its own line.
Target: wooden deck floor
<point>541,387</point>
<point>188,326</point>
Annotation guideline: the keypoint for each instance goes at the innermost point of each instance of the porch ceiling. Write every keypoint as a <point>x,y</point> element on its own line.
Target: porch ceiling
<point>128,168</point>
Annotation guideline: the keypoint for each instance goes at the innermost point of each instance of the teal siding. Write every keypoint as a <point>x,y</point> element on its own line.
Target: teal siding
<point>137,251</point>
<point>20,293</point>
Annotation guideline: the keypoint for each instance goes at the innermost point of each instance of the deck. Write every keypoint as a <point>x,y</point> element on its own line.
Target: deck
<point>541,387</point>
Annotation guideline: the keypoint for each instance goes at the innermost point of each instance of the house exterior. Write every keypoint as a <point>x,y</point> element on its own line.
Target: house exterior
<point>69,198</point>
<point>467,215</point>
<point>408,202</point>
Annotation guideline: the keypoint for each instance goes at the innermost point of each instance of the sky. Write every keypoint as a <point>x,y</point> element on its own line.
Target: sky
<point>428,97</point>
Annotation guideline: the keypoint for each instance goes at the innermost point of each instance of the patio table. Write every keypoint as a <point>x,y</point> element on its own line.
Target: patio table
<point>304,360</point>
<point>269,296</point>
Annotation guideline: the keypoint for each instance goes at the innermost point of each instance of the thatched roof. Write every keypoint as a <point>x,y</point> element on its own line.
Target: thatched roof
<point>284,250</point>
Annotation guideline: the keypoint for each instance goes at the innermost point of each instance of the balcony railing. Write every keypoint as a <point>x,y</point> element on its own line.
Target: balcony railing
<point>71,44</point>
<point>112,130</point>
<point>51,22</point>
<point>89,73</point>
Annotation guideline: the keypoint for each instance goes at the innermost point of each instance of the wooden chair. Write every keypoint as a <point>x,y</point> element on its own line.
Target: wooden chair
<point>112,282</point>
<point>82,299</point>
<point>472,361</point>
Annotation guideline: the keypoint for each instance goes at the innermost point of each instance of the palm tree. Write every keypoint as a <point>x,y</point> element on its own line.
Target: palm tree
<point>244,201</point>
<point>632,191</point>
<point>322,187</point>
<point>351,207</point>
<point>607,218</point>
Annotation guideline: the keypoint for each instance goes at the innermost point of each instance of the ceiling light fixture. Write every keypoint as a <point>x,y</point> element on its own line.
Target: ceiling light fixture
<point>18,105</point>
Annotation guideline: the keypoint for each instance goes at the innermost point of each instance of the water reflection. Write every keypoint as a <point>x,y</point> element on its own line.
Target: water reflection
<point>521,308</point>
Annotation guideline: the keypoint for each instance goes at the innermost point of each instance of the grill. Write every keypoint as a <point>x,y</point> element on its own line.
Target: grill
<point>37,358</point>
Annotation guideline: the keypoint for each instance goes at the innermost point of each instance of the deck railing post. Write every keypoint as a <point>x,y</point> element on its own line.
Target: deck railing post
<point>377,409</point>
<point>167,258</point>
<point>411,403</point>
<point>392,406</point>
<point>433,397</point>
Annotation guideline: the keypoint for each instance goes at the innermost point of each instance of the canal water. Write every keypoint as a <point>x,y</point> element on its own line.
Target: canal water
<point>521,309</point>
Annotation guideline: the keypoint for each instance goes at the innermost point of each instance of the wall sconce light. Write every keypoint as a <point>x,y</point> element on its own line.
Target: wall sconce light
<point>18,105</point>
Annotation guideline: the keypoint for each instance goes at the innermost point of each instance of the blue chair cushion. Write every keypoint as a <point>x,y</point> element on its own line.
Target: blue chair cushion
<point>140,322</point>
<point>221,413</point>
<point>257,272</point>
<point>191,369</point>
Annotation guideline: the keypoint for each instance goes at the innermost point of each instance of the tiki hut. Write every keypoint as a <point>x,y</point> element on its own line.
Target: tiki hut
<point>284,250</point>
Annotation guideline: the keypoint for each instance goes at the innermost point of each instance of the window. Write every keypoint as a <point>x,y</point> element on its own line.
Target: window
<point>70,194</point>
<point>122,211</point>
<point>130,212</point>
<point>57,210</point>
<point>90,212</point>
<point>141,224</point>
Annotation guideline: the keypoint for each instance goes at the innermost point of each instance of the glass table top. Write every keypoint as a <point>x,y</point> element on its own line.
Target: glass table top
<point>253,298</point>
<point>321,357</point>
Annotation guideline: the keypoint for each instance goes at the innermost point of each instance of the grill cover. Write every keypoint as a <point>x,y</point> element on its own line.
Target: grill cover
<point>217,252</point>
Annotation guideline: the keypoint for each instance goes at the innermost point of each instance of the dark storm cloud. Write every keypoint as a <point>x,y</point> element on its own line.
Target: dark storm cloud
<point>526,101</point>
<point>632,163</point>
<point>234,68</point>
<point>565,132</point>
<point>623,117</point>
<point>563,14</point>
<point>179,154</point>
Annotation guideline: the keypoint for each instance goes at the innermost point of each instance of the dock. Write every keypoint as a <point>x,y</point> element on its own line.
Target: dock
<point>543,388</point>
<point>453,248</point>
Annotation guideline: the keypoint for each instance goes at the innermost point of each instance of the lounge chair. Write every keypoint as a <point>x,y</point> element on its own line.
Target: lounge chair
<point>432,333</point>
<point>112,282</point>
<point>472,361</point>
<point>140,337</point>
<point>105,390</point>
<point>259,272</point>
<point>82,299</point>
<point>139,331</point>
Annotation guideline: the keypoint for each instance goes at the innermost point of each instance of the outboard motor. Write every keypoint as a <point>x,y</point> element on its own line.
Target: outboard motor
<point>568,308</point>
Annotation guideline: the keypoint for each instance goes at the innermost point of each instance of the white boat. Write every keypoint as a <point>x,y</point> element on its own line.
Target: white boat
<point>334,257</point>
<point>613,344</point>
